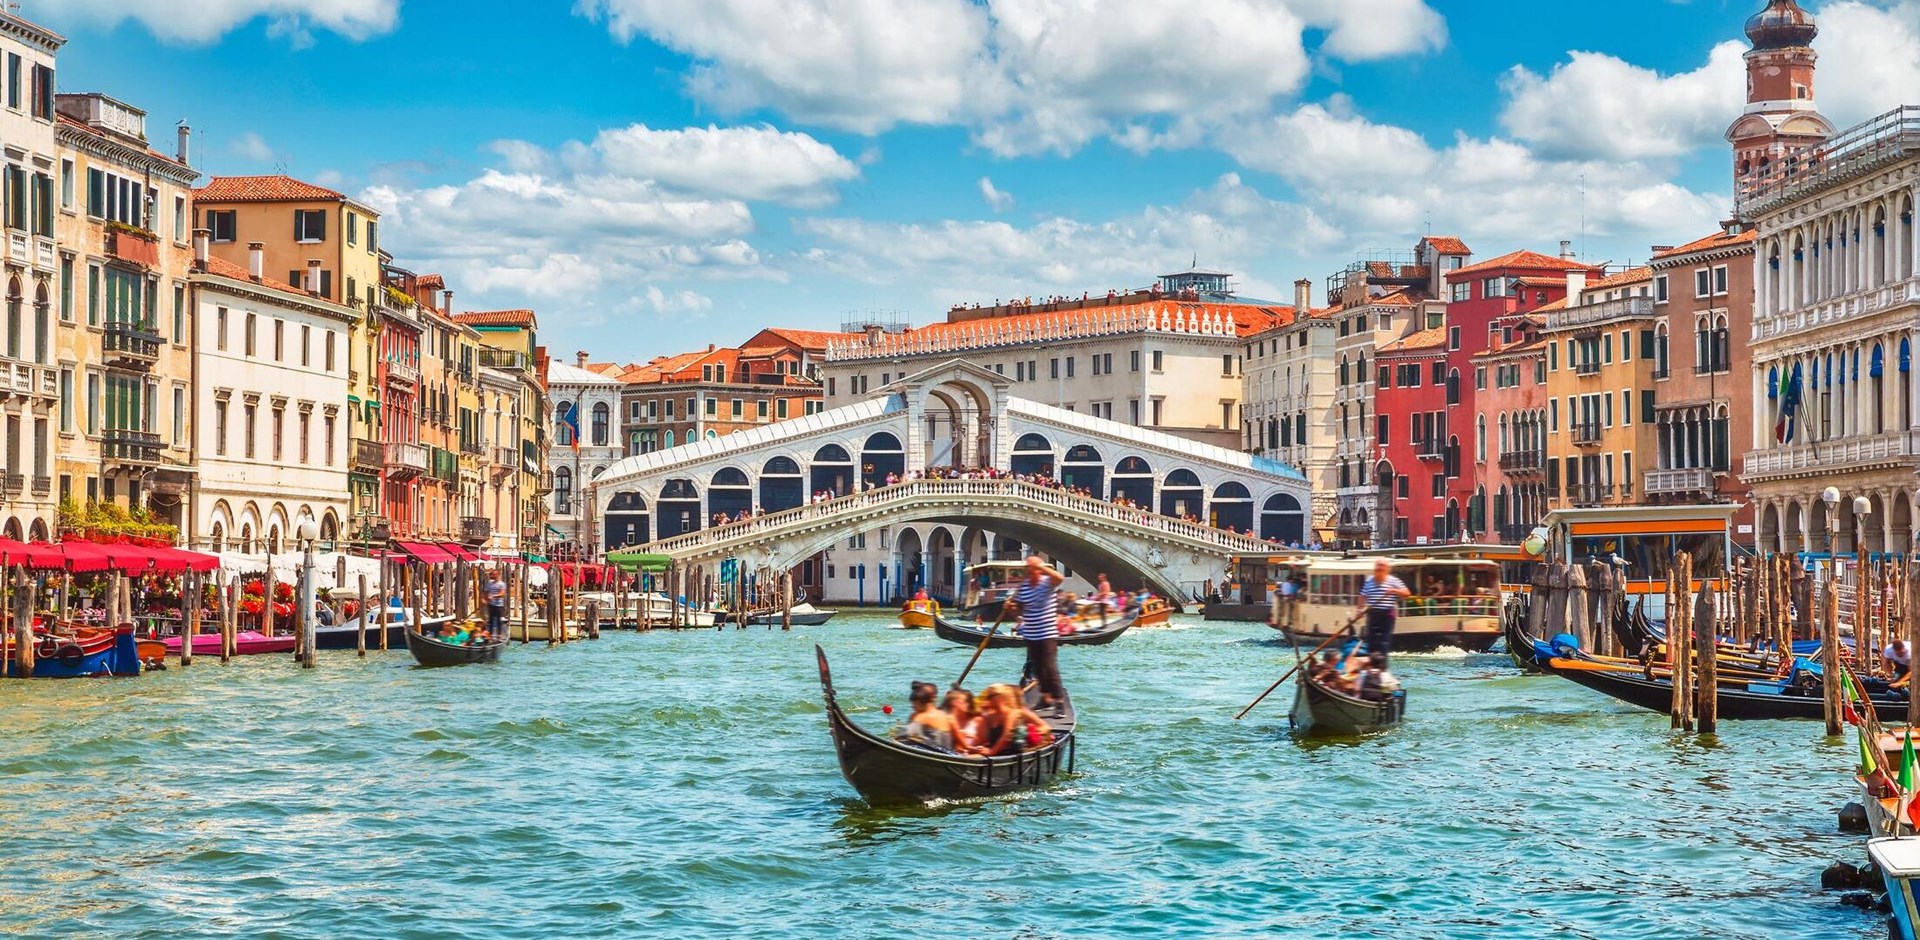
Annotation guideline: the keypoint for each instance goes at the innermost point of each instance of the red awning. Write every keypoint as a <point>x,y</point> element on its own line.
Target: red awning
<point>458,551</point>
<point>425,551</point>
<point>177,560</point>
<point>32,554</point>
<point>84,556</point>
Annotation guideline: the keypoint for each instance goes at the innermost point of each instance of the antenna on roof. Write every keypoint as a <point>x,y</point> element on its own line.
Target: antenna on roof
<point>1583,215</point>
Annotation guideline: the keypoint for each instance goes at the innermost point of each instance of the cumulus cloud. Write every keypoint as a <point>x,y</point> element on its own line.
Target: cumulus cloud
<point>1596,105</point>
<point>996,200</point>
<point>251,146</point>
<point>1867,62</point>
<point>760,164</point>
<point>1026,76</point>
<point>208,20</point>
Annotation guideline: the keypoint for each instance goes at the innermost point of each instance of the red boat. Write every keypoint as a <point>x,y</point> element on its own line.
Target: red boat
<point>246,643</point>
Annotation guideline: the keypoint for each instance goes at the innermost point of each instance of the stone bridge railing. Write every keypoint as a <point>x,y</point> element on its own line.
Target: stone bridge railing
<point>860,506</point>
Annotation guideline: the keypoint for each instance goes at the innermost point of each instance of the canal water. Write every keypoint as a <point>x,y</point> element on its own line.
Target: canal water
<point>684,786</point>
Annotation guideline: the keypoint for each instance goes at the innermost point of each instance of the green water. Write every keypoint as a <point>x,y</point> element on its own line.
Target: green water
<point>684,786</point>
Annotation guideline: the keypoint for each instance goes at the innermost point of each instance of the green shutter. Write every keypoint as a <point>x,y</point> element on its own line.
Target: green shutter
<point>96,194</point>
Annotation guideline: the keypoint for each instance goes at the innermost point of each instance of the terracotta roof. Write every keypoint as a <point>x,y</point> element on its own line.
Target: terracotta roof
<point>1629,276</point>
<point>430,282</point>
<point>1424,339</point>
<point>1448,245</point>
<point>1523,260</point>
<point>1540,281</point>
<point>520,318</point>
<point>810,339</point>
<point>1718,239</point>
<point>80,125</point>
<point>263,189</point>
<point>1248,319</point>
<point>227,269</point>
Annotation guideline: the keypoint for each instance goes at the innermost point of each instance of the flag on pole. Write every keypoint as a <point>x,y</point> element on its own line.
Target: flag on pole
<point>1906,762</point>
<point>570,419</point>
<point>1789,395</point>
<point>1867,764</point>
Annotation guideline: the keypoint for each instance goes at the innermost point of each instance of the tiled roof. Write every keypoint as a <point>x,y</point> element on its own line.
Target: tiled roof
<point>562,373</point>
<point>263,189</point>
<point>1540,281</point>
<point>1629,276</point>
<point>520,318</point>
<point>1718,239</point>
<point>227,269</point>
<point>1522,260</point>
<point>80,125</point>
<point>811,339</point>
<point>430,282</point>
<point>1425,339</point>
<point>1448,245</point>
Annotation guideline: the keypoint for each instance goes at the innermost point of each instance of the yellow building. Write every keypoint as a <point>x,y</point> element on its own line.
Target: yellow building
<point>125,360</point>
<point>327,244</point>
<point>513,399</point>
<point>30,390</point>
<point>1601,355</point>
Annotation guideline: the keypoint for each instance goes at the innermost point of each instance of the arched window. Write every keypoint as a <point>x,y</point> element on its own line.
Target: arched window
<point>42,327</point>
<point>1480,440</point>
<point>1660,351</point>
<point>601,421</point>
<point>563,490</point>
<point>13,316</point>
<point>218,541</point>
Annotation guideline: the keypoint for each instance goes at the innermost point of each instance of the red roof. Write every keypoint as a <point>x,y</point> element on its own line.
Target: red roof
<point>1523,260</point>
<point>520,318</point>
<point>810,339</point>
<point>1425,339</point>
<point>1448,245</point>
<point>280,188</point>
<point>227,269</point>
<point>1718,239</point>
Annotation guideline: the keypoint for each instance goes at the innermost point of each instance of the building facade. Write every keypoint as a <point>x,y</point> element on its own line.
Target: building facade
<point>1290,410</point>
<point>1703,295</point>
<point>1510,377</point>
<point>42,357</point>
<point>1601,356</point>
<point>517,416</point>
<point>595,399</point>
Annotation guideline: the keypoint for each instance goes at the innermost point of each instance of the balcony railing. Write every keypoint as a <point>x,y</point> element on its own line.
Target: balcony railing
<point>1851,453</point>
<point>1586,433</point>
<point>475,529</point>
<point>406,460</point>
<point>403,371</point>
<point>1431,450</point>
<point>506,457</point>
<point>1590,494</point>
<point>130,447</point>
<point>1678,481</point>
<point>42,485</point>
<point>12,484</point>
<point>368,455</point>
<point>130,345</point>
<point>504,359</point>
<point>1522,461</point>
<point>1586,368</point>
<point>134,247</point>
<point>28,381</point>
<point>1856,151</point>
<point>1661,372</point>
<point>1605,311</point>
<point>1817,314</point>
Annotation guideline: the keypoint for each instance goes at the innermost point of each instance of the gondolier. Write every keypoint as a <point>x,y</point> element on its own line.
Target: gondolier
<point>1039,626</point>
<point>1380,596</point>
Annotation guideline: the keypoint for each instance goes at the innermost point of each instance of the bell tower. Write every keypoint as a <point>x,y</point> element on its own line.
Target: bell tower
<point>1780,116</point>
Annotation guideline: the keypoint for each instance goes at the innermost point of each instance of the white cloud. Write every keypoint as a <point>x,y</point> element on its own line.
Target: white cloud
<point>1595,105</point>
<point>208,20</point>
<point>754,163</point>
<point>1026,76</point>
<point>1867,61</point>
<point>996,200</point>
<point>680,301</point>
<point>251,146</point>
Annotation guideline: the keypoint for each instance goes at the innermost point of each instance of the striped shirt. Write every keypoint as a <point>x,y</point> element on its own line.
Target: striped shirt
<point>1382,595</point>
<point>1039,611</point>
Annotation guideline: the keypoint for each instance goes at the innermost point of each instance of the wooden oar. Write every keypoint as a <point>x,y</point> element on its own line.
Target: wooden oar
<point>981,648</point>
<point>1296,667</point>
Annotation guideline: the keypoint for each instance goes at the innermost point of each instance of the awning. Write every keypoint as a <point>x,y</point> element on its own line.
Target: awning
<point>177,560</point>
<point>639,561</point>
<point>458,551</point>
<point>84,556</point>
<point>32,554</point>
<point>424,551</point>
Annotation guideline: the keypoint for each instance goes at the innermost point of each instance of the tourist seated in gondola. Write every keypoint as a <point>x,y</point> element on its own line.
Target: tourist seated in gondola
<point>1008,725</point>
<point>452,635</point>
<point>1901,659</point>
<point>966,721</point>
<point>928,726</point>
<point>1326,671</point>
<point>1371,681</point>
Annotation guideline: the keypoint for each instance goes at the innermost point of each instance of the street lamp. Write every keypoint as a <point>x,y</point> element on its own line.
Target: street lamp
<point>1862,508</point>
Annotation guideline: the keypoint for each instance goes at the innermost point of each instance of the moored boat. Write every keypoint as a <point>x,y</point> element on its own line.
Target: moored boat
<point>1898,860</point>
<point>82,654</point>
<point>246,643</point>
<point>885,770</point>
<point>1321,710</point>
<point>1754,700</point>
<point>428,651</point>
<point>1455,603</point>
<point>919,613</point>
<point>1088,632</point>
<point>345,634</point>
<point>802,614</point>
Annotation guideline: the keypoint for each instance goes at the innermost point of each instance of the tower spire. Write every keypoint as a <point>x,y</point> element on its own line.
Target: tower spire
<point>1780,117</point>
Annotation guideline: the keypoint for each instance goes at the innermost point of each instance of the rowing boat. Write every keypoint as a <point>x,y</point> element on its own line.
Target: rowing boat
<point>1085,633</point>
<point>428,651</point>
<point>1320,710</point>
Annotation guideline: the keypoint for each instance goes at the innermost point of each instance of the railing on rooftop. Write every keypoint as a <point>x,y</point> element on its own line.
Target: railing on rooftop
<point>1162,316</point>
<point>1602,312</point>
<point>1857,150</point>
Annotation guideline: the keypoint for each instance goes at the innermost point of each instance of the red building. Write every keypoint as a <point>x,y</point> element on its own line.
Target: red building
<point>1411,433</point>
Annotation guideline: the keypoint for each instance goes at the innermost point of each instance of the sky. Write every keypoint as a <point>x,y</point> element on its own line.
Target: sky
<point>654,175</point>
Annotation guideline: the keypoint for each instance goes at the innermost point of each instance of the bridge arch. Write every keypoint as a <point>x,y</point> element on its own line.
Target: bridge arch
<point>1232,507</point>
<point>781,485</point>
<point>943,568</point>
<point>880,456</point>
<point>1033,454</point>
<point>1133,481</point>
<point>680,508</point>
<point>730,493</point>
<point>910,560</point>
<point>1281,518</point>
<point>832,470</point>
<point>1181,495</point>
<point>1083,467</point>
<point>627,520</point>
<point>972,398</point>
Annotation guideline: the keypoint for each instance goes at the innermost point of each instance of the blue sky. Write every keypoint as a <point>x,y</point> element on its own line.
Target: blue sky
<point>652,175</point>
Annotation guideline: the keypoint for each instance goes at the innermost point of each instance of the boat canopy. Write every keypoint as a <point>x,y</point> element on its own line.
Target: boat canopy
<point>639,561</point>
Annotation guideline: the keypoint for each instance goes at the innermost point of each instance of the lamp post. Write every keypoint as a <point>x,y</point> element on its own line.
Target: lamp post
<point>307,532</point>
<point>1862,508</point>
<point>1830,627</point>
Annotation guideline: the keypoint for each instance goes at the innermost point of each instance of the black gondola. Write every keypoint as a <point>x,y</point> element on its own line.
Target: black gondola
<point>1319,710</point>
<point>1785,701</point>
<point>970,634</point>
<point>428,651</point>
<point>888,771</point>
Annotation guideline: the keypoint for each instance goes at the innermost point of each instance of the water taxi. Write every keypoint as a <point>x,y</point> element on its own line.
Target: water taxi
<point>989,584</point>
<point>1455,602</point>
<point>919,613</point>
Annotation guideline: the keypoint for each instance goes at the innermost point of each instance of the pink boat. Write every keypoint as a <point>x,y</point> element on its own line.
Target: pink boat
<point>246,643</point>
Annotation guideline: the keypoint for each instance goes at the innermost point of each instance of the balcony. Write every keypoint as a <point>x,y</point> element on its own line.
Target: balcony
<point>42,485</point>
<point>1816,314</point>
<point>130,346</point>
<point>1587,368</point>
<point>1678,482</point>
<point>509,359</point>
<point>1609,311</point>
<point>475,529</point>
<point>368,456</point>
<point>1586,433</point>
<point>406,372</point>
<point>1590,494</point>
<point>405,461</point>
<point>1865,452</point>
<point>506,457</point>
<point>28,382</point>
<point>12,484</point>
<point>132,448</point>
<point>1522,461</point>
<point>472,449</point>
<point>133,246</point>
<point>1661,372</point>
<point>1431,449</point>
<point>1859,150</point>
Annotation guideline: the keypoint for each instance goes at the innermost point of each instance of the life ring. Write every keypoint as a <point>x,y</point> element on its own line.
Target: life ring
<point>70,654</point>
<point>47,648</point>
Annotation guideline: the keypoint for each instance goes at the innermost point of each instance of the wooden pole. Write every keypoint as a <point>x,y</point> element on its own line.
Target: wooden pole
<point>1862,612</point>
<point>1706,706</point>
<point>360,605</point>
<point>1676,622</point>
<point>1830,650</point>
<point>22,633</point>
<point>189,614</point>
<point>526,595</point>
<point>786,600</point>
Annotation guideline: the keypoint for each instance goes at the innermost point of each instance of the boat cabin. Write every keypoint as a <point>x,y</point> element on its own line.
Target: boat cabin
<point>1455,602</point>
<point>990,583</point>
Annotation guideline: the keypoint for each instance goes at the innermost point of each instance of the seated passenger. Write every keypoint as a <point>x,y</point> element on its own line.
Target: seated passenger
<point>966,722</point>
<point>1373,682</point>
<point>928,725</point>
<point>1326,670</point>
<point>1009,725</point>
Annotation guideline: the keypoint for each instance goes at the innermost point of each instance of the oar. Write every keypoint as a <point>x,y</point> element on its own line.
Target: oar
<point>1296,667</point>
<point>957,683</point>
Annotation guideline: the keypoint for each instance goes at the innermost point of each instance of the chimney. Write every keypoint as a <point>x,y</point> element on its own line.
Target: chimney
<point>1303,295</point>
<point>182,153</point>
<point>1576,285</point>
<point>313,276</point>
<point>580,358</point>
<point>1566,250</point>
<point>200,238</point>
<point>710,347</point>
<point>256,260</point>
<point>448,300</point>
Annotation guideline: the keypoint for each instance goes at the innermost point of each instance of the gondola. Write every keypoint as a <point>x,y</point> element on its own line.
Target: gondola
<point>885,771</point>
<point>1319,710</point>
<point>1757,701</point>
<point>428,651</point>
<point>970,634</point>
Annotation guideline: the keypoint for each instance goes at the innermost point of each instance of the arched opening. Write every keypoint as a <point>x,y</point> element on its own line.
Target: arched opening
<point>730,494</point>
<point>1900,532</point>
<point>11,530</point>
<point>37,531</point>
<point>1452,521</point>
<point>563,491</point>
<point>1232,508</point>
<point>1083,469</point>
<point>1033,454</point>
<point>602,421</point>
<point>217,539</point>
<point>1133,482</point>
<point>909,559</point>
<point>1792,525</point>
<point>1769,528</point>
<point>781,486</point>
<point>329,527</point>
<point>832,471</point>
<point>880,456</point>
<point>680,508</point>
<point>1281,519</point>
<point>941,567</point>
<point>627,520</point>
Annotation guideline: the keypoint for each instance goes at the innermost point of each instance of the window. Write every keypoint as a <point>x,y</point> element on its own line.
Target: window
<point>373,237</point>
<point>116,198</point>
<point>760,408</point>
<point>1159,361</point>
<point>306,345</point>
<point>66,288</point>
<point>279,341</point>
<point>1157,403</point>
<point>93,295</point>
<point>1069,367</point>
<point>1053,368</point>
<point>1720,281</point>
<point>1460,291</point>
<point>713,407</point>
<point>180,314</point>
<point>1493,287</point>
<point>309,225</point>
<point>179,416</point>
<point>67,184</point>
<point>248,414</point>
<point>1453,338</point>
<point>353,228</point>
<point>1226,365</point>
<point>326,425</point>
<point>736,409</point>
<point>1133,412</point>
<point>279,423</point>
<point>66,400</point>
<point>43,92</point>
<point>1133,361</point>
<point>1660,289</point>
<point>1702,282</point>
<point>779,410</point>
<point>13,80</point>
<point>224,224</point>
<point>93,403</point>
<point>220,327</point>
<point>248,335</point>
<point>306,424</point>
